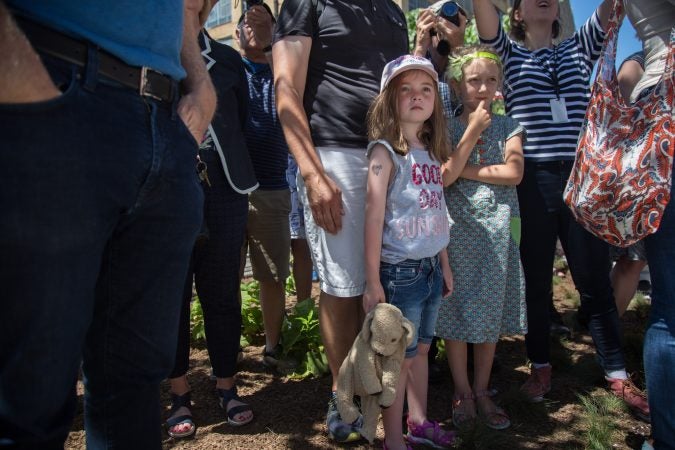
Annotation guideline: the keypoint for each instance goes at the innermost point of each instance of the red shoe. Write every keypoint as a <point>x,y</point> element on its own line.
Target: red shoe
<point>632,396</point>
<point>538,384</point>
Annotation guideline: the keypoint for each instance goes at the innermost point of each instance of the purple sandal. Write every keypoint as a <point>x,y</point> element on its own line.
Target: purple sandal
<point>419,434</point>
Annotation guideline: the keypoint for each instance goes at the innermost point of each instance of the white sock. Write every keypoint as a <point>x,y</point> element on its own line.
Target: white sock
<point>617,374</point>
<point>539,366</point>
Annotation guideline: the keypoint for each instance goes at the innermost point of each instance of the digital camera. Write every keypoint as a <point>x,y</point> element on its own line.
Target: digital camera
<point>250,3</point>
<point>449,11</point>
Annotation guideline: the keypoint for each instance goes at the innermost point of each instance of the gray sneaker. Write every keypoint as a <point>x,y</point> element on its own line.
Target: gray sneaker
<point>338,430</point>
<point>275,360</point>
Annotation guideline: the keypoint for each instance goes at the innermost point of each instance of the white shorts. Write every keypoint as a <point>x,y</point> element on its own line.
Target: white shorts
<point>339,258</point>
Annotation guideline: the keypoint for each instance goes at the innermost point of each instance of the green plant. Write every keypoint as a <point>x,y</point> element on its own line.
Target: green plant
<point>197,320</point>
<point>641,305</point>
<point>560,263</point>
<point>251,315</point>
<point>290,286</point>
<point>411,18</point>
<point>301,339</point>
<point>599,419</point>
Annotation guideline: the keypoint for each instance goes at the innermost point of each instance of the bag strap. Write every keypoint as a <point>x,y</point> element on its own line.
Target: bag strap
<point>607,63</point>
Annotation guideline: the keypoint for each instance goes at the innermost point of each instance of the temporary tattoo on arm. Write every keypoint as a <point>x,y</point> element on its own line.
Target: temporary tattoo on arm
<point>377,168</point>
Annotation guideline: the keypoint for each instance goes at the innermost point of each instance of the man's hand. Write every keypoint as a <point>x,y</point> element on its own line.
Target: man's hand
<point>261,25</point>
<point>196,109</point>
<point>198,104</point>
<point>325,201</point>
<point>450,32</point>
<point>23,78</point>
<point>426,21</point>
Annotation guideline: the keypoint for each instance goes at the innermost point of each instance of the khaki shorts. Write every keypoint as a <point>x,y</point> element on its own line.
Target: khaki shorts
<point>339,258</point>
<point>268,237</point>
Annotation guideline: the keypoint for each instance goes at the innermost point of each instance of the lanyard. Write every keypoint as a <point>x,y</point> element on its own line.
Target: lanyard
<point>552,73</point>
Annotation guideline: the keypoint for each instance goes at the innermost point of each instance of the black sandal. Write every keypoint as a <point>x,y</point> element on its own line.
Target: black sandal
<point>177,402</point>
<point>227,395</point>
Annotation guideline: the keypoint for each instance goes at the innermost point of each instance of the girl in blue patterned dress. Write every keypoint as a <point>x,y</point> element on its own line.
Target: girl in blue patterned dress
<point>488,299</point>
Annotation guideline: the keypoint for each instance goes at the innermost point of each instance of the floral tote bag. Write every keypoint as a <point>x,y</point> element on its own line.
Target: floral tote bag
<point>620,182</point>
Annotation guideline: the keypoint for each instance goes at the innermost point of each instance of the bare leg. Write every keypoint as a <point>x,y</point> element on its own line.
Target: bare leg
<point>340,320</point>
<point>625,277</point>
<point>392,416</point>
<point>418,386</point>
<point>463,406</point>
<point>483,355</point>
<point>456,352</point>
<point>272,303</point>
<point>302,268</point>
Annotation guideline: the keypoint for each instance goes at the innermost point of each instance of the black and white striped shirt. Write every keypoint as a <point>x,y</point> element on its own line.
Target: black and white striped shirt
<point>529,87</point>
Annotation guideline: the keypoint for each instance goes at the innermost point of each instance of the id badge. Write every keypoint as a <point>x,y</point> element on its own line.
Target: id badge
<point>559,110</point>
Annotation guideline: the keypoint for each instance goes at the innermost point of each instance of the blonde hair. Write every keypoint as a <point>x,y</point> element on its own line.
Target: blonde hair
<point>465,55</point>
<point>383,122</point>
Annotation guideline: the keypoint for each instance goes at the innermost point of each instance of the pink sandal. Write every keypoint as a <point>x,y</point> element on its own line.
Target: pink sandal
<point>438,438</point>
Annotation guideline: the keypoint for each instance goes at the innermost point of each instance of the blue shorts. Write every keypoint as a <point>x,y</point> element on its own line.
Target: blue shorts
<point>415,287</point>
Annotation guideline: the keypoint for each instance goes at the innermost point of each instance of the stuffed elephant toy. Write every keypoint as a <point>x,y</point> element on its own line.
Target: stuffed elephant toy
<point>373,365</point>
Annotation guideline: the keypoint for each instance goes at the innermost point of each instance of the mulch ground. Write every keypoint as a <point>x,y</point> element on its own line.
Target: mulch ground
<point>290,414</point>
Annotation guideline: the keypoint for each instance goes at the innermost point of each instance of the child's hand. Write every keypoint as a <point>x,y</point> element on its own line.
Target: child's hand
<point>448,281</point>
<point>480,118</point>
<point>373,295</point>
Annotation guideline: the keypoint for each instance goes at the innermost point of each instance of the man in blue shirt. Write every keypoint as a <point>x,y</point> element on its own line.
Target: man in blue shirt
<point>99,208</point>
<point>268,237</point>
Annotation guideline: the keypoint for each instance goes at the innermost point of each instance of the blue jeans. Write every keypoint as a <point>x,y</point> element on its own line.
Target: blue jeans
<point>99,209</point>
<point>414,287</point>
<point>546,218</point>
<point>659,344</point>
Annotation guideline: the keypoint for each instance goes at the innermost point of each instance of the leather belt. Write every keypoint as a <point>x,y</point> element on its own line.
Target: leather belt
<point>148,82</point>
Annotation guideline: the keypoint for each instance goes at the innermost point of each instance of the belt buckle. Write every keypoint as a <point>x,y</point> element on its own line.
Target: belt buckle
<point>144,83</point>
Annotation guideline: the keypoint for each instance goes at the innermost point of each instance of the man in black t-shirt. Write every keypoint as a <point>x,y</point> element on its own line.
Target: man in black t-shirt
<point>328,62</point>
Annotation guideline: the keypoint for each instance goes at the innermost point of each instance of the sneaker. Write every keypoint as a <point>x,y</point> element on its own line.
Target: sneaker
<point>560,329</point>
<point>538,384</point>
<point>338,430</point>
<point>631,395</point>
<point>271,357</point>
<point>275,360</point>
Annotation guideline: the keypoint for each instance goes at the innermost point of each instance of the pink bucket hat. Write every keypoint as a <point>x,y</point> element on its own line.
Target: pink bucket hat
<point>403,63</point>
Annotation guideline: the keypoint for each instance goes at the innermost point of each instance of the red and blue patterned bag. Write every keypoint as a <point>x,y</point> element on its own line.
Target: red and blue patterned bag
<point>620,182</point>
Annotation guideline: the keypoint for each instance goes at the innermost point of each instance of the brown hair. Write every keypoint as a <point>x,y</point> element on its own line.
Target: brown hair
<point>518,27</point>
<point>383,123</point>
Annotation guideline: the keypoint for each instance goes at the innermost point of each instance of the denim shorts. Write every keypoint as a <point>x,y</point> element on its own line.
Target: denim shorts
<point>296,217</point>
<point>415,287</point>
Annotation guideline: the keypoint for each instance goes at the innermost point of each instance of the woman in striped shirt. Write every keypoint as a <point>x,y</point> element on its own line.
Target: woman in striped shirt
<point>547,91</point>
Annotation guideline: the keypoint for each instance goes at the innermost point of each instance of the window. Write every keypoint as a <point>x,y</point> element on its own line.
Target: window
<point>414,4</point>
<point>220,14</point>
